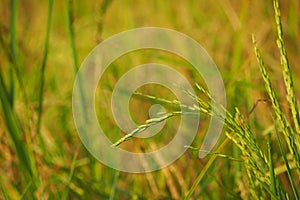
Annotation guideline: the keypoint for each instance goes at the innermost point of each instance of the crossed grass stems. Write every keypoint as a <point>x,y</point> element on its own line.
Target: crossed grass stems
<point>262,177</point>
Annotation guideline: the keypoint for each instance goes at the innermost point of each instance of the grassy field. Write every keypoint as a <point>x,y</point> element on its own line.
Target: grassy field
<point>256,46</point>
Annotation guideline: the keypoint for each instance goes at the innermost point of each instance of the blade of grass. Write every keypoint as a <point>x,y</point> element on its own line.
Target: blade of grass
<point>79,87</point>
<point>13,46</point>
<point>289,172</point>
<point>205,169</point>
<point>105,4</point>
<point>13,43</point>
<point>25,191</point>
<point>12,88</point>
<point>271,169</point>
<point>43,67</point>
<point>70,18</point>
<point>72,170</point>
<point>4,193</point>
<point>23,149</point>
<point>24,155</point>
<point>114,184</point>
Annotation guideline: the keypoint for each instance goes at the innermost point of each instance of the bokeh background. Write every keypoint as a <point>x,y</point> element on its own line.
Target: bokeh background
<point>64,169</point>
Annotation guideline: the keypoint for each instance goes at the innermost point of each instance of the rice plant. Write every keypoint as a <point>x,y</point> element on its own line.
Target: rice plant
<point>258,155</point>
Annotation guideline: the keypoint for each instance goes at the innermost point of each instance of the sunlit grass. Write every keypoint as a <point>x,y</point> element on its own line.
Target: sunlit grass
<point>42,46</point>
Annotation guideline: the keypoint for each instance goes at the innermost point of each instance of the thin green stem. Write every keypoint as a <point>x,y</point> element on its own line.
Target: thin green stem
<point>43,67</point>
<point>204,170</point>
<point>289,172</point>
<point>72,35</point>
<point>13,43</point>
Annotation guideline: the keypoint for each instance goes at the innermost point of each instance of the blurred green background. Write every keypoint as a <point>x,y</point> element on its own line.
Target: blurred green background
<point>61,166</point>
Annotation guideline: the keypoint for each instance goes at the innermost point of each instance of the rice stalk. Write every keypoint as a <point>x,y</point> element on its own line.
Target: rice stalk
<point>287,73</point>
<point>146,125</point>
<point>285,127</point>
<point>254,160</point>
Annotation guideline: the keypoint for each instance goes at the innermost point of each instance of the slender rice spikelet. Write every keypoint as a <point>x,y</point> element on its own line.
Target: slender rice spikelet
<point>286,129</point>
<point>146,125</point>
<point>287,75</point>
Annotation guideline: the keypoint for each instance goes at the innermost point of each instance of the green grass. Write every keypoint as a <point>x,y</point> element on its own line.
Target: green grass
<point>257,156</point>
<point>43,66</point>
